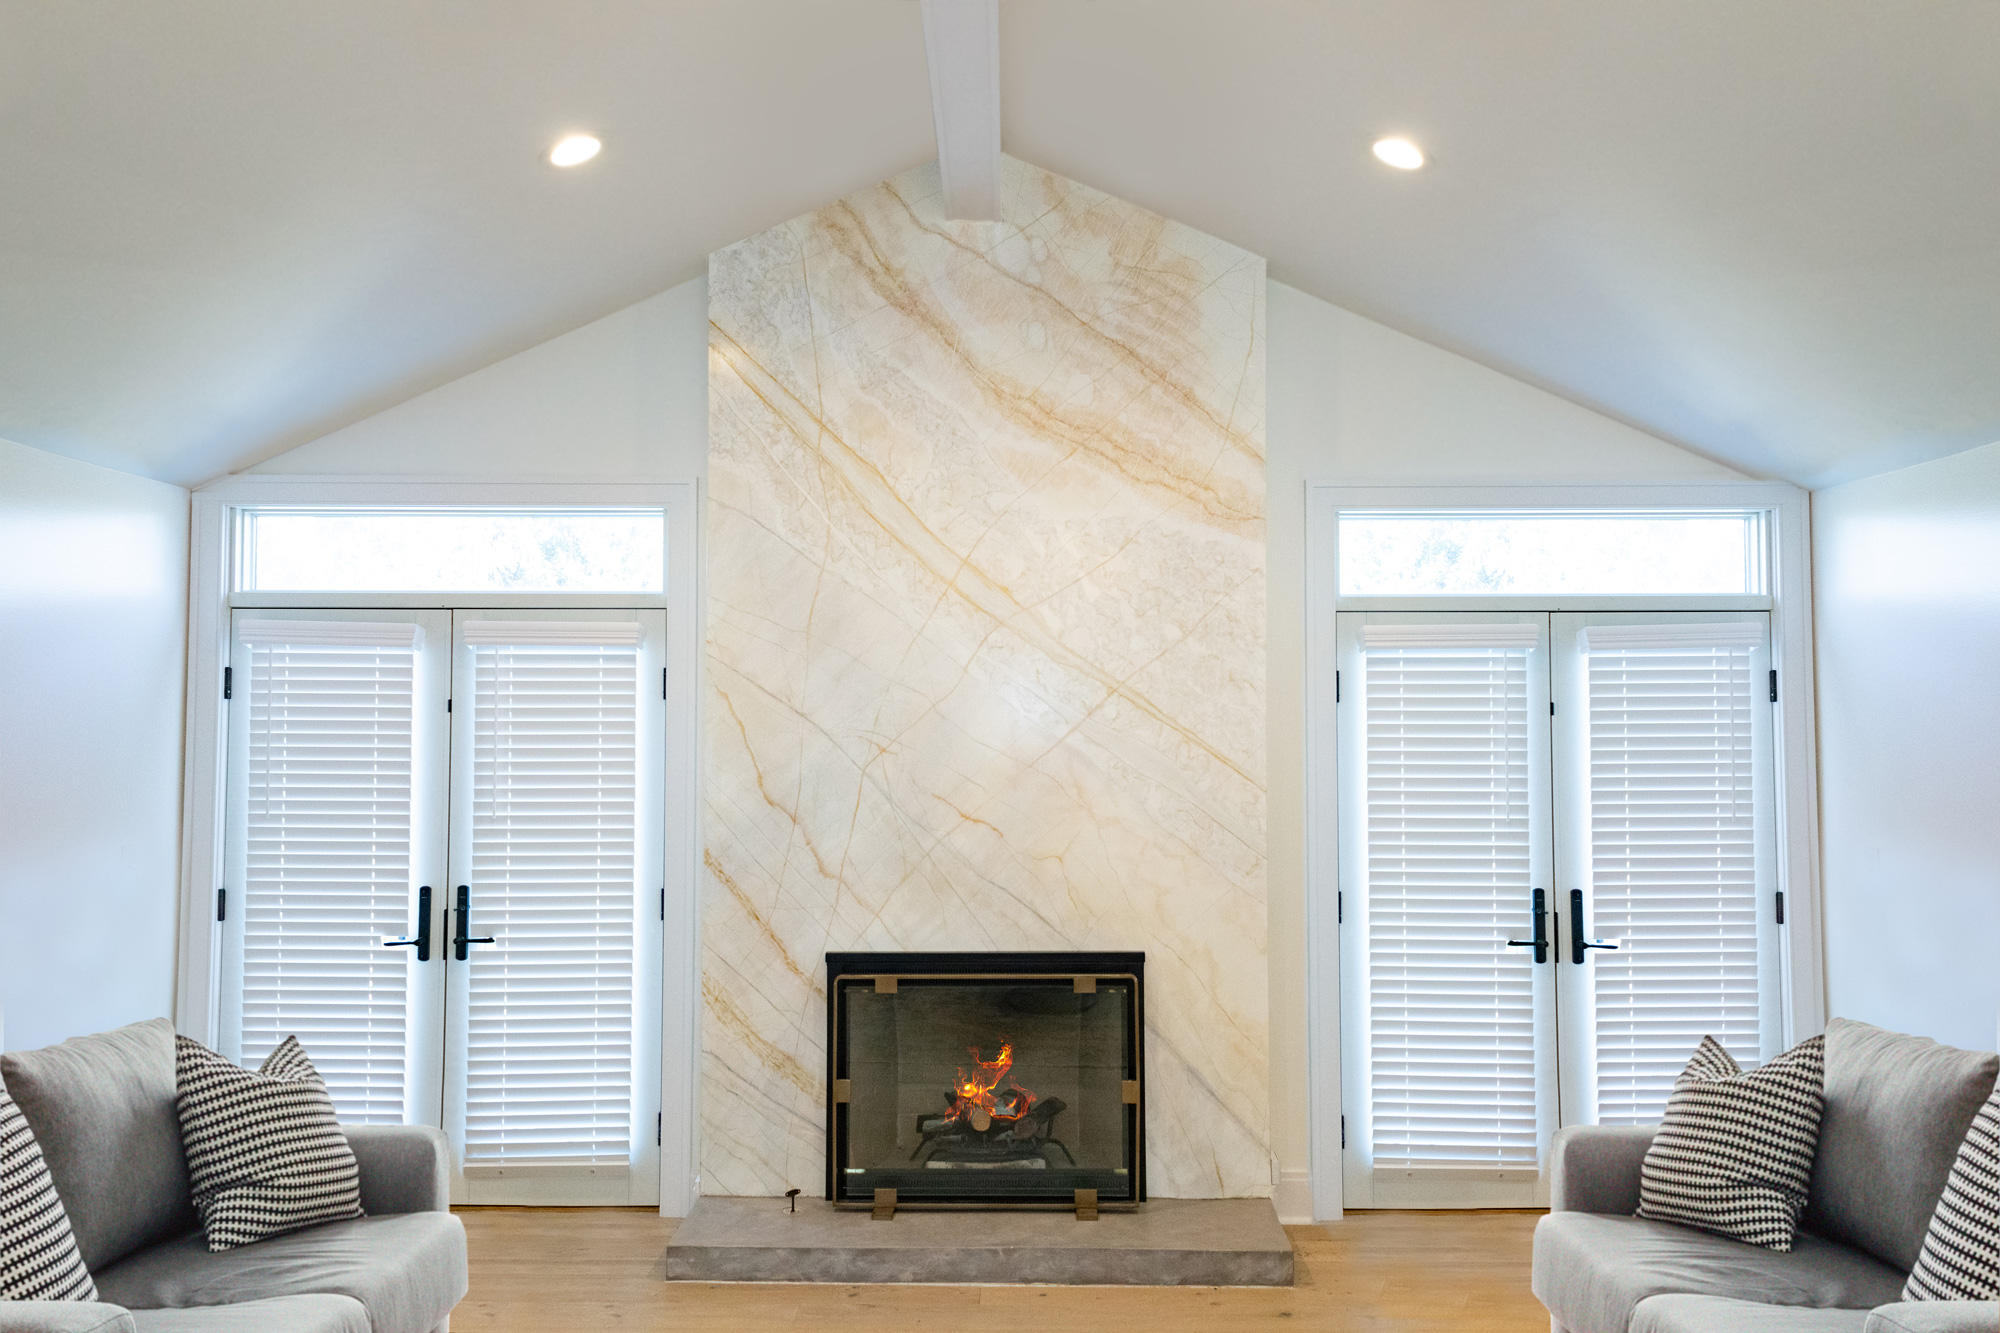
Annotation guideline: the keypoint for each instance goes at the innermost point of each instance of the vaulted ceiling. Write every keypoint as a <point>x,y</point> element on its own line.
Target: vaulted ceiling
<point>1768,232</point>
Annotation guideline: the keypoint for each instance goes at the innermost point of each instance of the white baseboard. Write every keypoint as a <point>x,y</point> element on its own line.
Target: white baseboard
<point>1293,1198</point>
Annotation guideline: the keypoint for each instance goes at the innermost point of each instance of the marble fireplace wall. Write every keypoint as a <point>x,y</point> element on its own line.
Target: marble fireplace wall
<point>985,641</point>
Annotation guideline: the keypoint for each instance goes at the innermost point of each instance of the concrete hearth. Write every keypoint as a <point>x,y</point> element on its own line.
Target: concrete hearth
<point>1167,1243</point>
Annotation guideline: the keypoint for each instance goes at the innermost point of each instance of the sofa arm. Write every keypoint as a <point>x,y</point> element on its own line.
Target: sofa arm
<point>404,1168</point>
<point>64,1317</point>
<point>1595,1168</point>
<point>1934,1317</point>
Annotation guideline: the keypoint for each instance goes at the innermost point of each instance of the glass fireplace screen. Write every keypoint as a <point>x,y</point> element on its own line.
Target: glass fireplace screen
<point>986,1079</point>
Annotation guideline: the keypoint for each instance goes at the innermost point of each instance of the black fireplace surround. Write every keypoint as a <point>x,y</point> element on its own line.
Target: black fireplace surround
<point>986,1079</point>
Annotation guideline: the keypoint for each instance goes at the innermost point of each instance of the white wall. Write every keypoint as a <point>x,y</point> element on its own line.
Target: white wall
<point>1349,400</point>
<point>622,397</point>
<point>1353,401</point>
<point>1906,578</point>
<point>93,630</point>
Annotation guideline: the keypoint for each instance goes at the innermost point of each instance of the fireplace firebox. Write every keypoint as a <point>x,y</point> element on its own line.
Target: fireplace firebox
<point>986,1080</point>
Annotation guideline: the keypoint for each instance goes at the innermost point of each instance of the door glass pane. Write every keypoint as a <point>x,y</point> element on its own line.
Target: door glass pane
<point>489,550</point>
<point>1452,1039</point>
<point>549,1035</point>
<point>328,782</point>
<point>1498,554</point>
<point>1672,854</point>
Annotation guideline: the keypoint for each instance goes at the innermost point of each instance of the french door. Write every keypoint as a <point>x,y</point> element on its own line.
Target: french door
<point>1557,873</point>
<point>444,859</point>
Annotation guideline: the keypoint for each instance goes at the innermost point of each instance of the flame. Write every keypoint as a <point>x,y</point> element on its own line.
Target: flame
<point>982,1089</point>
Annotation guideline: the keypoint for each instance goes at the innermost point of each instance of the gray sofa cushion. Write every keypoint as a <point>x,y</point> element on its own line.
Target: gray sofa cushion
<point>408,1270</point>
<point>102,1108</point>
<point>1591,1270</point>
<point>1897,1108</point>
<point>285,1314</point>
<point>1935,1317</point>
<point>64,1317</point>
<point>1720,1314</point>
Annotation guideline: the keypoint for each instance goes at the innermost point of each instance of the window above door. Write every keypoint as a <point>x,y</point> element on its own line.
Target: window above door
<point>465,549</point>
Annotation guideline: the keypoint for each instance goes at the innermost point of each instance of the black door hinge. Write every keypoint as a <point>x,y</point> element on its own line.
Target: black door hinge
<point>663,902</point>
<point>222,904</point>
<point>1343,1132</point>
<point>228,681</point>
<point>1339,909</point>
<point>1774,686</point>
<point>1336,687</point>
<point>659,1128</point>
<point>1552,708</point>
<point>447,706</point>
<point>663,682</point>
<point>1781,907</point>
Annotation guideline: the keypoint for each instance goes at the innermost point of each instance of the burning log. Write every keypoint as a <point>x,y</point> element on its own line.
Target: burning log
<point>989,1117</point>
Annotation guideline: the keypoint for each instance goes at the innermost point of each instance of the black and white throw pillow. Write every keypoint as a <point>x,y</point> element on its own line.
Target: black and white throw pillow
<point>1734,1152</point>
<point>265,1154</point>
<point>39,1260</point>
<point>1960,1260</point>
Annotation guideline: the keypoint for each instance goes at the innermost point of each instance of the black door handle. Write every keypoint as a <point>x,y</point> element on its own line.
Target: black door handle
<point>1540,944</point>
<point>422,943</point>
<point>1577,943</point>
<point>461,939</point>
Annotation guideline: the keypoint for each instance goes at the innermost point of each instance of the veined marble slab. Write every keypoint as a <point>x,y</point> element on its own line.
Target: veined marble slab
<point>985,641</point>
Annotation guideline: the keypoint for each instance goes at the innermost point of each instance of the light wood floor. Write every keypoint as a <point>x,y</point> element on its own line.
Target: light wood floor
<point>545,1270</point>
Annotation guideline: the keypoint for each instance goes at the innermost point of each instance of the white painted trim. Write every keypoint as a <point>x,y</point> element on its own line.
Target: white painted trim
<point>1790,603</point>
<point>209,600</point>
<point>962,48</point>
<point>1324,1101</point>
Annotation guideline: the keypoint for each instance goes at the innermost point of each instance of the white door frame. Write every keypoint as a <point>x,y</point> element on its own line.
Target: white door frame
<point>1786,513</point>
<point>212,596</point>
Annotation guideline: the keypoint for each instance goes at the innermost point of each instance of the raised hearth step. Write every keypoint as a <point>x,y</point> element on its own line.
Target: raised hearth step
<point>1166,1243</point>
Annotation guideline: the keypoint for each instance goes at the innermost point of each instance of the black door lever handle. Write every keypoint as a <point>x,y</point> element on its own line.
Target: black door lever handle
<point>1577,943</point>
<point>1540,944</point>
<point>461,939</point>
<point>422,943</point>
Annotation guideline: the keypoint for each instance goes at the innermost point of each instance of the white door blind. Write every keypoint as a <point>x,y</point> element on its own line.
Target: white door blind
<point>1451,1008</point>
<point>327,876</point>
<point>1673,854</point>
<point>550,1027</point>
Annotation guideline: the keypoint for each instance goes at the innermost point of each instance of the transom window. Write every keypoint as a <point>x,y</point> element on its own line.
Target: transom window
<point>1515,553</point>
<point>483,550</point>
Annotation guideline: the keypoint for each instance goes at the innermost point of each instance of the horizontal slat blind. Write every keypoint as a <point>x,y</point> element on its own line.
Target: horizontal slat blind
<point>549,1037</point>
<point>1451,1008</point>
<point>328,873</point>
<point>1673,856</point>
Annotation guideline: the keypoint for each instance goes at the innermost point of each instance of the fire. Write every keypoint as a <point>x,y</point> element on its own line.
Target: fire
<point>979,1094</point>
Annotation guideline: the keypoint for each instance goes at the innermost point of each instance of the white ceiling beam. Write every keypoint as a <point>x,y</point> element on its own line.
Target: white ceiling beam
<point>962,46</point>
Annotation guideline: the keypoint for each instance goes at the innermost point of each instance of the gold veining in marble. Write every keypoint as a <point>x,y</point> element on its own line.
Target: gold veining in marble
<point>985,641</point>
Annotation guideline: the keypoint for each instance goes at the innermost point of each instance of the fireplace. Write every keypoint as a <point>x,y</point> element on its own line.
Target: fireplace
<point>986,1080</point>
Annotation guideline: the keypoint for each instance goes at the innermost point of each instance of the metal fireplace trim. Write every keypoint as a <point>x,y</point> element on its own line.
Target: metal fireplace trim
<point>891,968</point>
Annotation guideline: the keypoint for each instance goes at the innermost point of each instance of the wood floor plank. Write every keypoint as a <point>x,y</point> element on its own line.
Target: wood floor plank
<point>602,1270</point>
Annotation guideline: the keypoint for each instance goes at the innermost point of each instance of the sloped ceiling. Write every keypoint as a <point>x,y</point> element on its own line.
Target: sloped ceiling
<point>1768,232</point>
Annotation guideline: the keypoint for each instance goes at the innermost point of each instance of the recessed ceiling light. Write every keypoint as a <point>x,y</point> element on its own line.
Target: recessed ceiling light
<point>575,149</point>
<point>1399,153</point>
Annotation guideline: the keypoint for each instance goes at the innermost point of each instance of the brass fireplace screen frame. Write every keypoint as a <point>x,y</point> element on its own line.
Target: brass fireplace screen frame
<point>882,972</point>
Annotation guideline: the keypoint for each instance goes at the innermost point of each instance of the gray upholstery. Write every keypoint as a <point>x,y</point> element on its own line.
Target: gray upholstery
<point>102,1109</point>
<point>1592,1270</point>
<point>408,1270</point>
<point>1719,1314</point>
<point>404,1168</point>
<point>63,1317</point>
<point>1897,1109</point>
<point>1935,1317</point>
<point>1595,1168</point>
<point>286,1314</point>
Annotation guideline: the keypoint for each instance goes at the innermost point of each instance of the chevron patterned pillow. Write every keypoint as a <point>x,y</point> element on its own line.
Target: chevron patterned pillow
<point>264,1152</point>
<point>38,1255</point>
<point>1734,1152</point>
<point>1960,1260</point>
